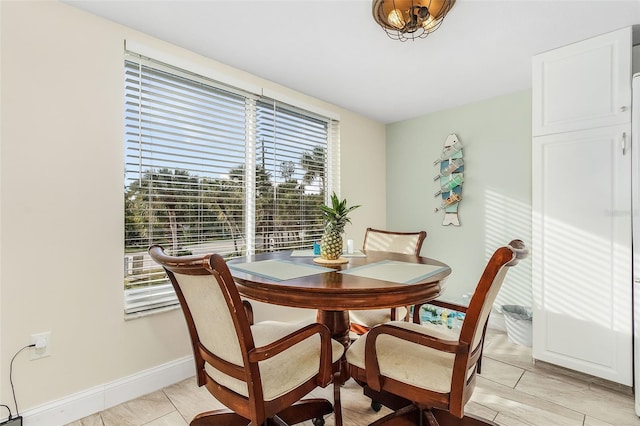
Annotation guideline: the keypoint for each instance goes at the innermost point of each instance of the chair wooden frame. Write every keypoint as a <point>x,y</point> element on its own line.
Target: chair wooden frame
<point>421,235</point>
<point>284,410</point>
<point>413,404</point>
<point>418,247</point>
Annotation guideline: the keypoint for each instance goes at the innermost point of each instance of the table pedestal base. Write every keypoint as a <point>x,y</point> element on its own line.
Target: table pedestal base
<point>338,324</point>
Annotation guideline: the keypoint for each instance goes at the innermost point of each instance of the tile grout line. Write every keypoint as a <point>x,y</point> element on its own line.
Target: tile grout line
<point>174,406</point>
<point>584,415</point>
<point>524,393</point>
<point>519,378</point>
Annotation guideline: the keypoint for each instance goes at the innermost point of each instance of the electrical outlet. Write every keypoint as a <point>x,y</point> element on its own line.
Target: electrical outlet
<point>42,348</point>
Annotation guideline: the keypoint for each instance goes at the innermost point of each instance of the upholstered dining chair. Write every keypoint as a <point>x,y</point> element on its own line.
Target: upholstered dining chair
<point>397,242</point>
<point>258,371</point>
<point>427,373</point>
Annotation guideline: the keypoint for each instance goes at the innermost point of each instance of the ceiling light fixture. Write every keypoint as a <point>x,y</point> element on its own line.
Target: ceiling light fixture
<point>410,19</point>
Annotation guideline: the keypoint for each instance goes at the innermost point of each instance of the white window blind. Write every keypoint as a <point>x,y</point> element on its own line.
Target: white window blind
<point>209,168</point>
<point>291,159</point>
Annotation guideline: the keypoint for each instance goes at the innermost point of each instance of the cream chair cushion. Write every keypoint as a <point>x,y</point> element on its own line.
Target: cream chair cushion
<point>208,306</point>
<point>278,375</point>
<point>408,362</point>
<point>391,242</point>
<point>373,317</point>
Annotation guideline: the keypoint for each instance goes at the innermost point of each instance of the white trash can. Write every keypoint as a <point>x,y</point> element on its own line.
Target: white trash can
<point>518,320</point>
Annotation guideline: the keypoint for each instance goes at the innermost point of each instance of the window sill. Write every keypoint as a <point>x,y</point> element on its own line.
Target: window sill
<point>149,312</point>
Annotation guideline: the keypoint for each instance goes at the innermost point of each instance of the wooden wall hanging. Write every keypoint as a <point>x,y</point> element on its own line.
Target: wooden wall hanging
<point>451,177</point>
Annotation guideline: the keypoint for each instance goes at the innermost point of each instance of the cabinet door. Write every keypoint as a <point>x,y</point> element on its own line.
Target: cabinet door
<point>581,252</point>
<point>583,85</point>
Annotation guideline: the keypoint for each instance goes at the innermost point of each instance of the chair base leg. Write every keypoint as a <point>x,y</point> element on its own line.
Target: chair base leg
<point>219,418</point>
<point>306,409</point>
<point>410,416</point>
<point>446,419</point>
<point>299,412</point>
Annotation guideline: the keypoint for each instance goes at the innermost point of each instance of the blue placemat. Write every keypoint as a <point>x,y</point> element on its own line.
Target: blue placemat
<point>396,271</point>
<point>279,270</point>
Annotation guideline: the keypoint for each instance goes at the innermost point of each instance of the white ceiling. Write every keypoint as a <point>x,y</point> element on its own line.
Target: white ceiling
<point>333,50</point>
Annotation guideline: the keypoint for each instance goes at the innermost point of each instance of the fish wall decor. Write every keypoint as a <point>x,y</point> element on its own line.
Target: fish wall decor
<point>450,178</point>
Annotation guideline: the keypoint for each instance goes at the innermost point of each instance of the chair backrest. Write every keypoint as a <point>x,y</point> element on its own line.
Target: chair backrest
<point>218,323</point>
<point>474,325</point>
<point>397,242</point>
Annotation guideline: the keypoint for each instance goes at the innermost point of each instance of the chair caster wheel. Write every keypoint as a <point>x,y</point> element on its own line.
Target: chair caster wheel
<point>318,422</point>
<point>376,406</point>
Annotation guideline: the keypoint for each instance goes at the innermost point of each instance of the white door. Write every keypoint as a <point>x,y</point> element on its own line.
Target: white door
<point>583,85</point>
<point>582,251</point>
<point>635,208</point>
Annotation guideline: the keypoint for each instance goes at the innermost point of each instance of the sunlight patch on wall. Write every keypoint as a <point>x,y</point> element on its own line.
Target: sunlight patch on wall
<point>507,219</point>
<point>583,293</point>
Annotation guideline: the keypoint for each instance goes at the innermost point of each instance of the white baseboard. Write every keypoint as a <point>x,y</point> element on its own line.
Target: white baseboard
<point>99,398</point>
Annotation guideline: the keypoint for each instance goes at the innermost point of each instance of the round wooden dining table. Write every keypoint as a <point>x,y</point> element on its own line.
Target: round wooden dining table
<point>336,291</point>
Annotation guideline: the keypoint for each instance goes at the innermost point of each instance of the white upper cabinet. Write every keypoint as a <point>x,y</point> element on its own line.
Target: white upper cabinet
<point>584,85</point>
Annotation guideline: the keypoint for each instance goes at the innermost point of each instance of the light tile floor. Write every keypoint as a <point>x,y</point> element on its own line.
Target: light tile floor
<point>512,391</point>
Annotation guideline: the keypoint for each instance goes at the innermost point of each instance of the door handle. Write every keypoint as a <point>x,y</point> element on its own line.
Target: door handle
<point>624,143</point>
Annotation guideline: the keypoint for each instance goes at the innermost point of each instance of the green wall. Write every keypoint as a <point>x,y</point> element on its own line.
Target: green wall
<point>496,205</point>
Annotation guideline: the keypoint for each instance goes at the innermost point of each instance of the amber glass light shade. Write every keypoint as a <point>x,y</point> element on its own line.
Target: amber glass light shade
<point>410,19</point>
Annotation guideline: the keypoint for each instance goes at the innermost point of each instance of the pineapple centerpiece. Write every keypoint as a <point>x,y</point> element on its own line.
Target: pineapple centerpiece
<point>335,218</point>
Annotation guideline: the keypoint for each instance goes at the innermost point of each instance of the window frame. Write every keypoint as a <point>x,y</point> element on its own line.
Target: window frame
<point>160,297</point>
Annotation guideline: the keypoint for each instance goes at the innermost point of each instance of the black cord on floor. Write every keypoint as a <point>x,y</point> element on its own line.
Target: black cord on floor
<point>15,401</point>
<point>8,409</point>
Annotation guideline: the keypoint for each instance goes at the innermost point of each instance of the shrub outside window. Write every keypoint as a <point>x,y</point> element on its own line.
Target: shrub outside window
<point>210,168</point>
